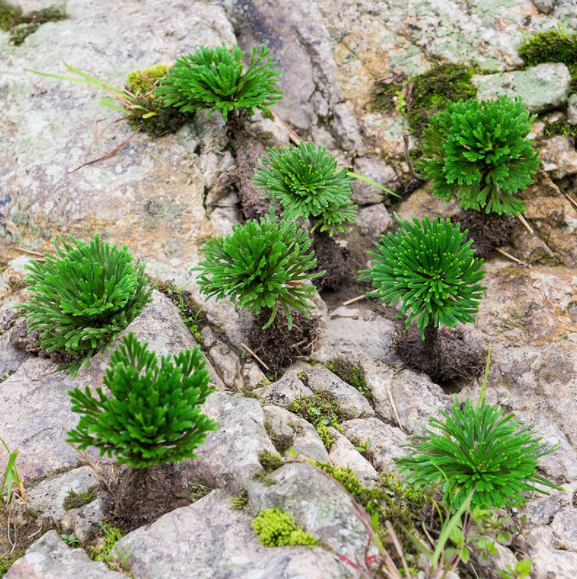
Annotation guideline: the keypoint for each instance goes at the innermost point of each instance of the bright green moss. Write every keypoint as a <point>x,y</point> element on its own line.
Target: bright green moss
<point>325,435</point>
<point>269,461</point>
<point>351,374</point>
<point>549,46</point>
<point>277,529</point>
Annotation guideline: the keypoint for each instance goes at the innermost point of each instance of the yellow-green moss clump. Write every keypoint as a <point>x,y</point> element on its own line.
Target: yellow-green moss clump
<point>147,113</point>
<point>277,529</point>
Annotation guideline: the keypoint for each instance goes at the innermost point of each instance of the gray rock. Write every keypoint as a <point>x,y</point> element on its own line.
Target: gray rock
<point>271,133</point>
<point>386,441</point>
<point>374,220</point>
<point>423,203</point>
<point>10,357</point>
<point>416,397</point>
<point>559,157</point>
<point>47,497</point>
<point>564,525</point>
<point>50,558</point>
<point>351,330</point>
<point>284,391</point>
<point>549,563</point>
<point>542,508</point>
<point>545,6</point>
<point>307,442</point>
<point>36,403</point>
<point>85,519</point>
<point>344,454</point>
<point>364,193</point>
<point>572,109</point>
<point>229,456</point>
<point>318,504</point>
<point>209,539</point>
<point>351,400</point>
<point>228,364</point>
<point>253,376</point>
<point>542,87</point>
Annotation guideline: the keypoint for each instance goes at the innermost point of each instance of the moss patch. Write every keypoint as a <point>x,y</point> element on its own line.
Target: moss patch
<point>351,374</point>
<point>269,461</point>
<point>149,114</point>
<point>6,562</point>
<point>282,442</point>
<point>241,502</point>
<point>277,529</point>
<point>74,500</point>
<point>560,127</point>
<point>198,491</point>
<point>549,46</point>
<point>21,25</point>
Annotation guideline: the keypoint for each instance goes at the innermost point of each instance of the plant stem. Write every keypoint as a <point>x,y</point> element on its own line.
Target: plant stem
<point>432,346</point>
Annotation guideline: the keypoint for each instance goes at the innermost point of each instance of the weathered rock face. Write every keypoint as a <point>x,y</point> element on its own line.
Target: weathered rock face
<point>35,401</point>
<point>150,194</point>
<point>208,539</point>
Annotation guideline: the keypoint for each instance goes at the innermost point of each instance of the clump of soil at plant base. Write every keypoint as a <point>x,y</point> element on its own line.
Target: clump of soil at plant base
<point>487,230</point>
<point>453,359</point>
<point>277,346</point>
<point>143,495</point>
<point>22,339</point>
<point>332,259</point>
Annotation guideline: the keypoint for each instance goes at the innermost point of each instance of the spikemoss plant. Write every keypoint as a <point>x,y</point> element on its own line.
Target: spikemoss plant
<point>83,297</point>
<point>432,271</point>
<point>153,414</point>
<point>216,79</point>
<point>307,183</point>
<point>262,265</point>
<point>479,448</point>
<point>277,529</point>
<point>480,153</point>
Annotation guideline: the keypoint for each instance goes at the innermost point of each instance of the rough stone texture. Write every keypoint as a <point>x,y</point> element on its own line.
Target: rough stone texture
<point>350,330</point>
<point>229,456</point>
<point>541,509</point>
<point>51,558</point>
<point>307,442</point>
<point>35,399</point>
<point>565,527</point>
<point>549,563</point>
<point>559,156</point>
<point>386,440</point>
<point>344,454</point>
<point>85,519</point>
<point>366,194</point>
<point>351,400</point>
<point>285,391</point>
<point>416,397</point>
<point>253,376</point>
<point>227,362</point>
<point>318,504</point>
<point>542,87</point>
<point>209,539</point>
<point>422,203</point>
<point>47,497</point>
<point>572,109</point>
<point>150,194</point>
<point>374,220</point>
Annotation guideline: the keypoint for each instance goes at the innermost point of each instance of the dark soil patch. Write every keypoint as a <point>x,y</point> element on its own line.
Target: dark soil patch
<point>454,358</point>
<point>278,346</point>
<point>145,494</point>
<point>331,258</point>
<point>22,339</point>
<point>487,230</point>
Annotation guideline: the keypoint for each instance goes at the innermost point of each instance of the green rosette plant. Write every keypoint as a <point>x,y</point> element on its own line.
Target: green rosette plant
<point>307,183</point>
<point>83,297</point>
<point>479,152</point>
<point>153,413</point>
<point>481,450</point>
<point>216,79</point>
<point>261,265</point>
<point>428,267</point>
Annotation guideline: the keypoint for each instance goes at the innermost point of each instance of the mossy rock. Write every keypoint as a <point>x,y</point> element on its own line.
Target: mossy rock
<point>21,25</point>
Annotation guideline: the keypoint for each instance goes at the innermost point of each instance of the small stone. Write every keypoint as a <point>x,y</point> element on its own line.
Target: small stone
<point>253,376</point>
<point>559,157</point>
<point>386,441</point>
<point>285,391</point>
<point>50,558</point>
<point>548,563</point>
<point>85,519</point>
<point>228,363</point>
<point>545,6</point>
<point>306,440</point>
<point>364,193</point>
<point>564,526</point>
<point>572,109</point>
<point>374,220</point>
<point>344,454</point>
<point>542,87</point>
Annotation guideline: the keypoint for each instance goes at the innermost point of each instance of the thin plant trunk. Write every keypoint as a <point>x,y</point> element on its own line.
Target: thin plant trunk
<point>432,346</point>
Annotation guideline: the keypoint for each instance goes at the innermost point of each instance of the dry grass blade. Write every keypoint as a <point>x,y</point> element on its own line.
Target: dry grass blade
<point>121,146</point>
<point>503,252</point>
<point>89,462</point>
<point>527,226</point>
<point>397,545</point>
<point>353,300</point>
<point>293,136</point>
<point>253,354</point>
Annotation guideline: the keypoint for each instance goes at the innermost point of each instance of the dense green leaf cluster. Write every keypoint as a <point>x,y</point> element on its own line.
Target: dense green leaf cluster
<point>481,449</point>
<point>479,152</point>
<point>261,265</point>
<point>153,414</point>
<point>277,529</point>
<point>428,267</point>
<point>84,297</point>
<point>216,79</point>
<point>307,183</point>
